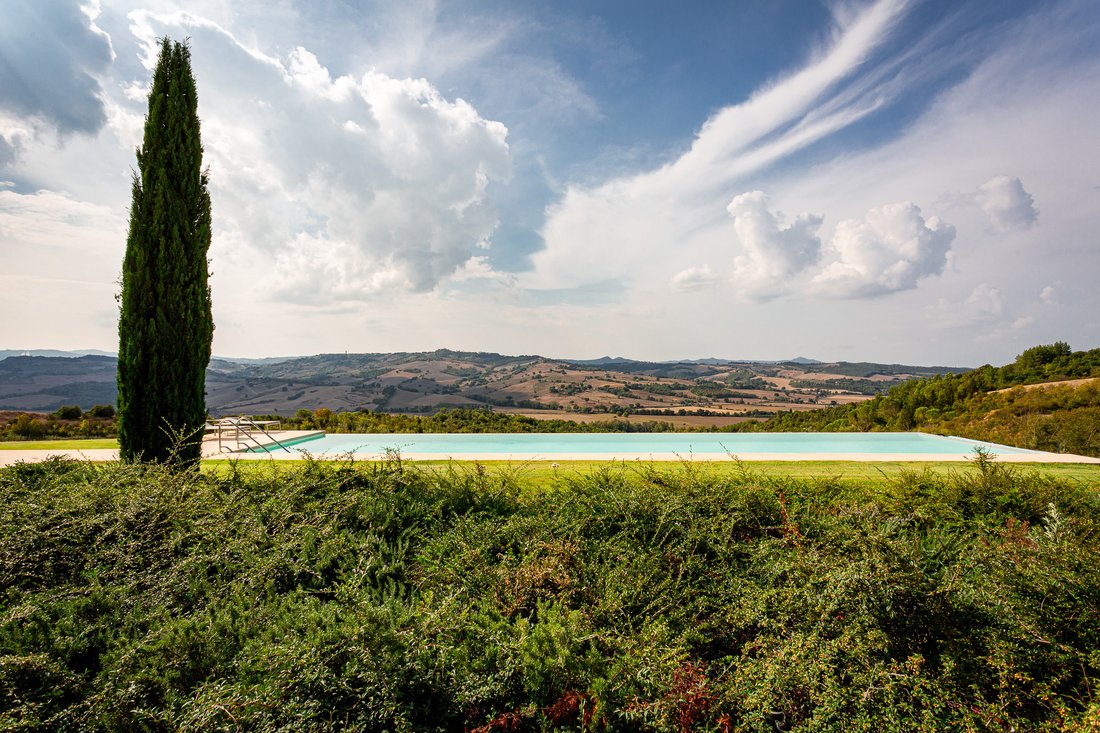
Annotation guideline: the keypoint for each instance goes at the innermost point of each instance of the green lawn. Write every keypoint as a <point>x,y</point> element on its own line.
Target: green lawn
<point>68,444</point>
<point>539,472</point>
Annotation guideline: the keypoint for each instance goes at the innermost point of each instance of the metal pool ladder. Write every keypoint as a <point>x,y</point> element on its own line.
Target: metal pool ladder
<point>243,427</point>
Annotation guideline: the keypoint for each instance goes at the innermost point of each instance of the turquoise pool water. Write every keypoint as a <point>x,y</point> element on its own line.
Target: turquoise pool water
<point>634,444</point>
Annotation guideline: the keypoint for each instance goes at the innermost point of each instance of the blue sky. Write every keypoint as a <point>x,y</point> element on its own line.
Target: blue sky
<point>888,181</point>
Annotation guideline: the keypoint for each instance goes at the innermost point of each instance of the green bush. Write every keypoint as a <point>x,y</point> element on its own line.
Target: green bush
<point>103,412</point>
<point>28,426</point>
<point>68,412</point>
<point>379,597</point>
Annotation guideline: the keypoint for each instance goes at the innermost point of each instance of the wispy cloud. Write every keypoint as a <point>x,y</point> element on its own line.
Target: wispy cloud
<point>684,202</point>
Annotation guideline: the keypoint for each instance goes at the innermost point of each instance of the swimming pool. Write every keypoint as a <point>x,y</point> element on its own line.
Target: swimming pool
<point>648,445</point>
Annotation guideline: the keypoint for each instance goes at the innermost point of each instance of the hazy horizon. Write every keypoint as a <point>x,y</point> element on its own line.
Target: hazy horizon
<point>5,353</point>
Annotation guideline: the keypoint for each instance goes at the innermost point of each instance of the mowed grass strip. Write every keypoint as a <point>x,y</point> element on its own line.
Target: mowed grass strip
<point>61,444</point>
<point>542,472</point>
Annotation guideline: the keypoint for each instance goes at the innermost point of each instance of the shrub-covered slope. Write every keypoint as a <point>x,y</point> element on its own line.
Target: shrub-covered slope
<point>382,598</point>
<point>1059,418</point>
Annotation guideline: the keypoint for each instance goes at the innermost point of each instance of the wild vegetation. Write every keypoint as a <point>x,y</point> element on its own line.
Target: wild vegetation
<point>66,422</point>
<point>379,597</point>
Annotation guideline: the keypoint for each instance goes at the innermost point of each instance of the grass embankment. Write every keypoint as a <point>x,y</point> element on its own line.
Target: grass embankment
<point>368,597</point>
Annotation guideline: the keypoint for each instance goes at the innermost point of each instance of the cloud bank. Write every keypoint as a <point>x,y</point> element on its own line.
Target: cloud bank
<point>889,250</point>
<point>51,54</point>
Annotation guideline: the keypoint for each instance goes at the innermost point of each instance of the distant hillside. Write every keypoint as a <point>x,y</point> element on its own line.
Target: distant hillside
<point>1000,404</point>
<point>44,383</point>
<point>6,353</point>
<point>430,381</point>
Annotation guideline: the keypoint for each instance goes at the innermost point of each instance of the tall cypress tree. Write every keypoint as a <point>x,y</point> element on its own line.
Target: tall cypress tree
<point>165,327</point>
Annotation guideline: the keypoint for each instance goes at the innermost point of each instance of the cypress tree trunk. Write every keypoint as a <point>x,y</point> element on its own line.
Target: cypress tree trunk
<point>165,327</point>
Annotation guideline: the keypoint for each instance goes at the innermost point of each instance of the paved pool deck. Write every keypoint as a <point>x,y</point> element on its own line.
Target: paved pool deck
<point>211,449</point>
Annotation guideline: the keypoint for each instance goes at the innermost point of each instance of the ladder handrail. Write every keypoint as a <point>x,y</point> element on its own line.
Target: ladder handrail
<point>237,422</point>
<point>270,437</point>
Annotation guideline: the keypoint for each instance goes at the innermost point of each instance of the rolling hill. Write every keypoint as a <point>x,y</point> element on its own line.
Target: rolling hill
<point>428,381</point>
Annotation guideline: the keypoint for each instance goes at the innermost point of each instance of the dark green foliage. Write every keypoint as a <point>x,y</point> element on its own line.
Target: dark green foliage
<point>459,421</point>
<point>379,597</point>
<point>165,326</point>
<point>860,386</point>
<point>102,411</point>
<point>26,426</point>
<point>68,412</point>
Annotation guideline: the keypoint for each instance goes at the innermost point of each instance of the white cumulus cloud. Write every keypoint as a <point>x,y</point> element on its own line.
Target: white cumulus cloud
<point>986,300</point>
<point>350,185</point>
<point>1006,203</point>
<point>773,253</point>
<point>889,250</point>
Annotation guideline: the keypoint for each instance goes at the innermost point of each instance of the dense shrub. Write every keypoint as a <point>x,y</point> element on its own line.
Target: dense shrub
<point>375,597</point>
<point>102,411</point>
